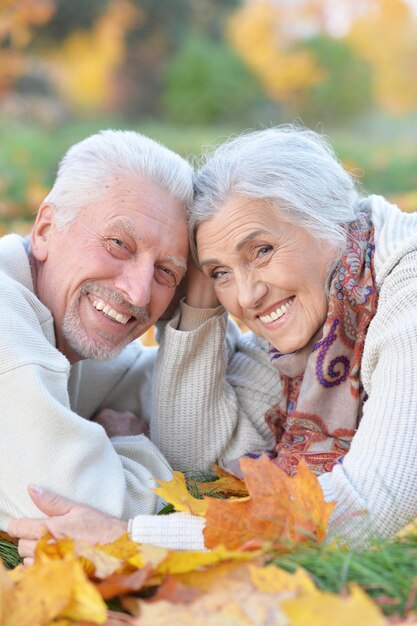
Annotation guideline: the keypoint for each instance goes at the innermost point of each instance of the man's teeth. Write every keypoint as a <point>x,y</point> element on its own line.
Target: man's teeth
<point>105,308</point>
<point>275,315</point>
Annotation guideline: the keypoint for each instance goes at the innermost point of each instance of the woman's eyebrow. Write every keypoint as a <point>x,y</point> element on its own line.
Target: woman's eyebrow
<point>209,262</point>
<point>251,236</point>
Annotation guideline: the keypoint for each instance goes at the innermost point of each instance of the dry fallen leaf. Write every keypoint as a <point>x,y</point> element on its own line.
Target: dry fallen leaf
<point>273,579</point>
<point>121,584</point>
<point>176,493</point>
<point>182,562</point>
<point>37,601</point>
<point>308,513</point>
<point>226,484</point>
<point>235,604</point>
<point>280,508</point>
<point>318,608</point>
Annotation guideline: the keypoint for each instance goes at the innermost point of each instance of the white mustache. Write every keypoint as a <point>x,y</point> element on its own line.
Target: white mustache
<point>112,295</point>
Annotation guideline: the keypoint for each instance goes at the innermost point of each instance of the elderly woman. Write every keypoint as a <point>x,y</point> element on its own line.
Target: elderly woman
<point>326,281</point>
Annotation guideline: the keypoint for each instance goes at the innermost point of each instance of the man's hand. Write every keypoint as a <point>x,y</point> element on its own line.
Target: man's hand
<point>121,423</point>
<point>66,518</point>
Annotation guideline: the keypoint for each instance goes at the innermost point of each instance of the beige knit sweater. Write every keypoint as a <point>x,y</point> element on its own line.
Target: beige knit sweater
<point>44,436</point>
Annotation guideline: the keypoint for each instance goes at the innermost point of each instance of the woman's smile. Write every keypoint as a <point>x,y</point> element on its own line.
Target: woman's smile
<point>277,312</point>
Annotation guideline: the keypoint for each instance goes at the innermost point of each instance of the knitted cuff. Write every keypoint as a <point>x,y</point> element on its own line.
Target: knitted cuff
<point>177,531</point>
<point>191,318</point>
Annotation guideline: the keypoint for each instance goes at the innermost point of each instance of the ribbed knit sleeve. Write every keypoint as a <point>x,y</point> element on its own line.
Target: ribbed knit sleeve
<point>211,392</point>
<point>375,488</point>
<point>178,531</point>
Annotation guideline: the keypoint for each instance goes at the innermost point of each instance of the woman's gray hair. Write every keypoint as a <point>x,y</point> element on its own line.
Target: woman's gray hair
<point>87,166</point>
<point>293,169</point>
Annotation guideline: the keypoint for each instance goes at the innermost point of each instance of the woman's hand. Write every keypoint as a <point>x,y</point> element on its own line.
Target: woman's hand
<point>121,423</point>
<point>65,518</point>
<point>200,289</point>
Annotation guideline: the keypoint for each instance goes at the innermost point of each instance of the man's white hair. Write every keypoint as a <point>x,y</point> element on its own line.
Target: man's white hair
<point>86,168</point>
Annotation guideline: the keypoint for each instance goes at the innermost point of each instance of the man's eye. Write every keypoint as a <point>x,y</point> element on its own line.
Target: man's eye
<point>118,242</point>
<point>117,248</point>
<point>166,276</point>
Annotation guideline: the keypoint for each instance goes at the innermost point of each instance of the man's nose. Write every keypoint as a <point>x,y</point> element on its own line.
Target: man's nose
<point>250,289</point>
<point>136,282</point>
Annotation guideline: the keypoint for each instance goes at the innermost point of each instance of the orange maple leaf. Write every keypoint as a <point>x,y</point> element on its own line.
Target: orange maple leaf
<point>280,509</point>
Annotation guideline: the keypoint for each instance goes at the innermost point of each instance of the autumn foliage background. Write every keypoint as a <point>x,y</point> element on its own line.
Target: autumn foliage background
<point>191,72</point>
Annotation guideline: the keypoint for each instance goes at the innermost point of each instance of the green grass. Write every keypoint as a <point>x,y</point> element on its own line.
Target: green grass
<point>9,554</point>
<point>387,571</point>
<point>379,150</point>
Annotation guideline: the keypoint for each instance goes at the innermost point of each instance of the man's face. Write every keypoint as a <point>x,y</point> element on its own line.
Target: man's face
<point>110,274</point>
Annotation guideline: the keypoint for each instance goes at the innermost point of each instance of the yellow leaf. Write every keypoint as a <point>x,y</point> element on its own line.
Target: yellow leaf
<point>34,603</point>
<point>127,551</point>
<point>226,483</point>
<point>49,548</point>
<point>86,603</point>
<point>176,493</point>
<point>122,548</point>
<point>319,608</point>
<point>236,604</point>
<point>98,562</point>
<point>409,530</point>
<point>204,579</point>
<point>6,593</point>
<point>181,562</point>
<point>152,555</point>
<point>228,598</point>
<point>272,579</point>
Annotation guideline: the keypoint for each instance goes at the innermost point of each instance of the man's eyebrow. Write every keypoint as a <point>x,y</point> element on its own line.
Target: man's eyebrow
<point>125,228</point>
<point>176,261</point>
<point>249,238</point>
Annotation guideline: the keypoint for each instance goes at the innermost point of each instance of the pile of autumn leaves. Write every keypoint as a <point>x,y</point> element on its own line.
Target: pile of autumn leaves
<point>229,585</point>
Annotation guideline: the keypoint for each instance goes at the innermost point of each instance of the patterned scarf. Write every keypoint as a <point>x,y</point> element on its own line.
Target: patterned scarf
<point>322,401</point>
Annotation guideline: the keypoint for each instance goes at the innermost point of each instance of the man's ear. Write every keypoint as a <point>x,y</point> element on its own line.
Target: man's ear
<point>42,231</point>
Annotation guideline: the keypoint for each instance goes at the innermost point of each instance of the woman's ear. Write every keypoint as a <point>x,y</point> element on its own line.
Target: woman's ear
<point>41,231</point>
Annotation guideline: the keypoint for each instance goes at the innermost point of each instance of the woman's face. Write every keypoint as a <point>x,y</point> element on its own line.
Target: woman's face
<point>267,272</point>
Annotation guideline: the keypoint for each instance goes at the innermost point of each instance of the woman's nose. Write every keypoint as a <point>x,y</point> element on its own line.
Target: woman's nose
<point>251,290</point>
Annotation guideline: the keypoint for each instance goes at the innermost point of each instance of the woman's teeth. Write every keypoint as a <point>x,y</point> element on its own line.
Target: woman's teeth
<point>107,310</point>
<point>275,315</point>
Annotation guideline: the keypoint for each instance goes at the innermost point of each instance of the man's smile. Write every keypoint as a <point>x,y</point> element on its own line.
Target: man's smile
<point>110,312</point>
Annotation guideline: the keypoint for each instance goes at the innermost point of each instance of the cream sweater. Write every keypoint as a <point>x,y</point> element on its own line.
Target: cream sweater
<point>44,436</point>
<point>211,395</point>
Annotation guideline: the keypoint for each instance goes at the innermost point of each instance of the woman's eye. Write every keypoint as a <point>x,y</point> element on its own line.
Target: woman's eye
<point>264,250</point>
<point>218,274</point>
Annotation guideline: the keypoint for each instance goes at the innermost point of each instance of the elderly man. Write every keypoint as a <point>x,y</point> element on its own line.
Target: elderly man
<point>105,256</point>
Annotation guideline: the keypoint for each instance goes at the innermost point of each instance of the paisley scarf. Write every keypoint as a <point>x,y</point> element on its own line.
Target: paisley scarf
<point>322,399</point>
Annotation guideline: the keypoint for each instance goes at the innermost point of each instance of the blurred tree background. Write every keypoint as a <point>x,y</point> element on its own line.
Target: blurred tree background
<point>190,72</point>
